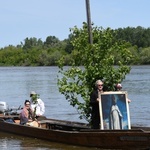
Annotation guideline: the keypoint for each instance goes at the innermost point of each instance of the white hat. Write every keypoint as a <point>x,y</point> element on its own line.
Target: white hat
<point>32,92</point>
<point>119,85</point>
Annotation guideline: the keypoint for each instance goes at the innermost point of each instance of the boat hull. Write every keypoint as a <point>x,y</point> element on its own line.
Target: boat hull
<point>108,139</point>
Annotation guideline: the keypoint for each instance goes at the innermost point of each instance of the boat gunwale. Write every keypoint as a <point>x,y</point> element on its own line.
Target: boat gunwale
<point>81,130</point>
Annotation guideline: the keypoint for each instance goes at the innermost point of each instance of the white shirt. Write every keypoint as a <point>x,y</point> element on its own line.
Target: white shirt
<point>40,107</point>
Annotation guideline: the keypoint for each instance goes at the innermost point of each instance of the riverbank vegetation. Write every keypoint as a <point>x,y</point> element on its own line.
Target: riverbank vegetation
<point>35,52</point>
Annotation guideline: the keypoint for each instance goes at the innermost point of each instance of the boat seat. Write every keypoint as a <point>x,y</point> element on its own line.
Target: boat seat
<point>50,124</point>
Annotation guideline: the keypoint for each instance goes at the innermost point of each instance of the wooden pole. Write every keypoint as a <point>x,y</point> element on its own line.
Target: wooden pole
<point>89,21</point>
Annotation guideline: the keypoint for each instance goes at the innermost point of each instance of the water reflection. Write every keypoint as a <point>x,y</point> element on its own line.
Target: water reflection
<point>14,142</point>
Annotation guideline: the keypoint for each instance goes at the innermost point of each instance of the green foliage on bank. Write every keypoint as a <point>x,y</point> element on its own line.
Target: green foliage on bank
<point>35,52</point>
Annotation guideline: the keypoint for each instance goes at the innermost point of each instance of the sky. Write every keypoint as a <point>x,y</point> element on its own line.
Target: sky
<point>20,19</point>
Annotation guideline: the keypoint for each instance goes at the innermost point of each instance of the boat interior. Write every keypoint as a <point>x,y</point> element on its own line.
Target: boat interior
<point>48,123</point>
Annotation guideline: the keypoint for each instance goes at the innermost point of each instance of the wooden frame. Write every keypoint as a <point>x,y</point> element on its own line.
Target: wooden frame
<point>114,110</point>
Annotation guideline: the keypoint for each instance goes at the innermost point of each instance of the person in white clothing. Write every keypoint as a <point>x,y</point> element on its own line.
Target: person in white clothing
<point>37,105</point>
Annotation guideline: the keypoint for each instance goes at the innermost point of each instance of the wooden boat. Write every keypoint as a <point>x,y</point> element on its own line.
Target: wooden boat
<point>81,134</point>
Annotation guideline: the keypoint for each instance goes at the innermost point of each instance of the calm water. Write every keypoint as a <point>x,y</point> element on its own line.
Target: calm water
<point>17,82</point>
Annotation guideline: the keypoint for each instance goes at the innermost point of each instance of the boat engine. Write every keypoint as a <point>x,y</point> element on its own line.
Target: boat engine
<point>3,107</point>
<point>5,110</point>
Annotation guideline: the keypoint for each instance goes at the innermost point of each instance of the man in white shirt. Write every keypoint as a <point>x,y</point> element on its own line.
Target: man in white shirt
<point>37,105</point>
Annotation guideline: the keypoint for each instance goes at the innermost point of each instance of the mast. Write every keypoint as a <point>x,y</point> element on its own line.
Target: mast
<point>89,21</point>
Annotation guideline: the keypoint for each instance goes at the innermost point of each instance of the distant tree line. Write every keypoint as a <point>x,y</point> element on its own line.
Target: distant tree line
<point>35,52</point>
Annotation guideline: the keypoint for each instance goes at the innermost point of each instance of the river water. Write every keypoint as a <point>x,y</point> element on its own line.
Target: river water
<point>17,82</point>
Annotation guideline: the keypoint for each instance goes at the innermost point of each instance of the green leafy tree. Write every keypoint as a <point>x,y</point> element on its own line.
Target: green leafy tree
<point>98,60</point>
<point>69,46</point>
<point>51,41</point>
<point>30,43</point>
<point>145,56</point>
